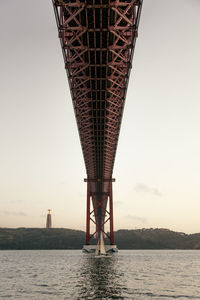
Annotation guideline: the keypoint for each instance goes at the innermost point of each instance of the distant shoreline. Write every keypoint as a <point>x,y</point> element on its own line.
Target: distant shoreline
<point>61,239</point>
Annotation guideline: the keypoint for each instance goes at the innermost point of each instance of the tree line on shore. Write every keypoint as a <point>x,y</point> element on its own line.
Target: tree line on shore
<point>61,238</point>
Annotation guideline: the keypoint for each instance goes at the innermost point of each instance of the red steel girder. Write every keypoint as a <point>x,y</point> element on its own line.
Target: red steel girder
<point>98,40</point>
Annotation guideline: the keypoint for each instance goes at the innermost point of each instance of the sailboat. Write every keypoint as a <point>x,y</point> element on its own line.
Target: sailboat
<point>100,249</point>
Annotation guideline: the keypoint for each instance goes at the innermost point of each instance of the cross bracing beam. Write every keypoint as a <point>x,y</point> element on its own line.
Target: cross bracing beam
<point>98,40</point>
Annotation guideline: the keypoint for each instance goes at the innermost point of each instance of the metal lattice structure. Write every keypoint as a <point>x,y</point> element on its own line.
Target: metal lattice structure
<point>98,40</point>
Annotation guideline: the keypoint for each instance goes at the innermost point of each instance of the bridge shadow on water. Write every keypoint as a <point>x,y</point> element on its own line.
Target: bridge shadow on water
<point>99,278</point>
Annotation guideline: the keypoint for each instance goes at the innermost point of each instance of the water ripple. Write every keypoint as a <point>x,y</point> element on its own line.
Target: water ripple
<point>63,275</point>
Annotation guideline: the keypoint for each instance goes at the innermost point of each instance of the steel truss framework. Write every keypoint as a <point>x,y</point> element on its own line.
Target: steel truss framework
<point>98,40</point>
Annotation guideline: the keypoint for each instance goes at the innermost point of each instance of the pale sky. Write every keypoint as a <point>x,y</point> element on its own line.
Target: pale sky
<point>157,167</point>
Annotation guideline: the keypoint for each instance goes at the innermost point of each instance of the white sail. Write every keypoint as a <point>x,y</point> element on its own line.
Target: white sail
<point>100,248</point>
<point>102,245</point>
<point>97,249</point>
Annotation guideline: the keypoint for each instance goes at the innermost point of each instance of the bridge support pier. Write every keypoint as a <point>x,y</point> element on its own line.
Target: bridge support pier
<point>99,232</point>
<point>111,215</point>
<point>88,215</point>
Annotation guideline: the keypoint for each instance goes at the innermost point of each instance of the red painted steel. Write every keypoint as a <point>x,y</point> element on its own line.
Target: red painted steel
<point>111,216</point>
<point>88,216</point>
<point>98,40</point>
<point>108,214</point>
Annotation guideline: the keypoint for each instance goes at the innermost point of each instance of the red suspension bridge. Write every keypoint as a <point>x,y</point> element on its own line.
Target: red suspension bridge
<point>98,39</point>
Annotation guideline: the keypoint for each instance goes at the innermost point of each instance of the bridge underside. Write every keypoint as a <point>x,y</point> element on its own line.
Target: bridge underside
<point>98,39</point>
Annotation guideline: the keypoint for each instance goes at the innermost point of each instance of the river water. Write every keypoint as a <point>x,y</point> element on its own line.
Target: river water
<point>67,274</point>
